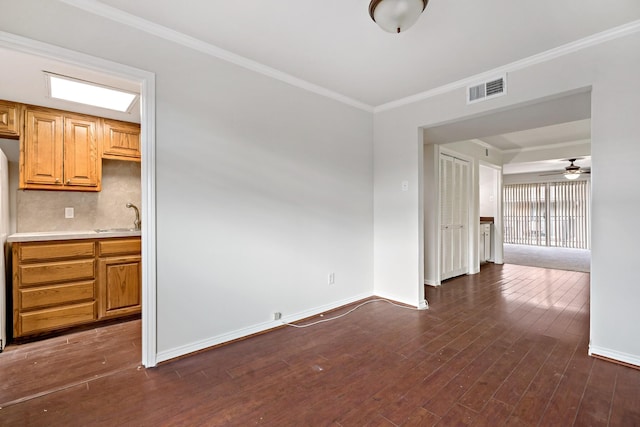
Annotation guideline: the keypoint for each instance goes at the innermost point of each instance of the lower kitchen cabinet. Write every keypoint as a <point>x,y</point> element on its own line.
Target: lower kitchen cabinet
<point>120,278</point>
<point>61,284</point>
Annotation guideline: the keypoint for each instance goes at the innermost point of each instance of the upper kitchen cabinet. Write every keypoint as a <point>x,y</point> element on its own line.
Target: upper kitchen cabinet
<point>9,120</point>
<point>59,151</point>
<point>121,141</point>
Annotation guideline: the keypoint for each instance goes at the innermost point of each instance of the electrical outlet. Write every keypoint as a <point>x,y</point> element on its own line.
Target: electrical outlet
<point>331,279</point>
<point>68,213</point>
<point>277,315</point>
<point>405,185</point>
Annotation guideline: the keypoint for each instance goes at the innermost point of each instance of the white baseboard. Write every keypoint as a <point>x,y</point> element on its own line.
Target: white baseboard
<point>420,304</point>
<point>615,355</point>
<point>175,352</point>
<point>432,283</point>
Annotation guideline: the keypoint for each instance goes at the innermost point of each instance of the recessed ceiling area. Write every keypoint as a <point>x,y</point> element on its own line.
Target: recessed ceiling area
<point>553,165</point>
<point>562,133</point>
<point>535,137</point>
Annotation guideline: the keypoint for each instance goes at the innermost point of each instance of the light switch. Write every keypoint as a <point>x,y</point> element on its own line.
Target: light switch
<point>405,185</point>
<point>68,212</point>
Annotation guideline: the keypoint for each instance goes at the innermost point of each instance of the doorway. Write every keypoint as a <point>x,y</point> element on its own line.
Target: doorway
<point>487,139</point>
<point>145,81</point>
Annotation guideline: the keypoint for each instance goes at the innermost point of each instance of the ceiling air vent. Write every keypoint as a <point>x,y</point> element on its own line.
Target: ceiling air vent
<point>486,90</point>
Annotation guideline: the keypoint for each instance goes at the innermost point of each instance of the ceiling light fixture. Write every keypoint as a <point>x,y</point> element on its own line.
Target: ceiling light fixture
<point>572,171</point>
<point>395,16</point>
<point>572,174</point>
<point>88,93</point>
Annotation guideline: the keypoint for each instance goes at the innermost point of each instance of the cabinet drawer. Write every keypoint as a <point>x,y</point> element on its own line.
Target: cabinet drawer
<point>119,247</point>
<point>63,271</point>
<point>58,317</point>
<point>32,298</point>
<point>37,252</point>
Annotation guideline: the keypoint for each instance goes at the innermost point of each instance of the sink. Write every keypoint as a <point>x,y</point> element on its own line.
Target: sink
<point>114,230</point>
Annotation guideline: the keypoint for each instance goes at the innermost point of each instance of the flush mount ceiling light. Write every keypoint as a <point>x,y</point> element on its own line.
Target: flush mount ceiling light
<point>395,16</point>
<point>88,93</point>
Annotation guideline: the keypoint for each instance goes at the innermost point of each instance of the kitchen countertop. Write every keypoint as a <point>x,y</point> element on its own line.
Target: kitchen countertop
<point>41,236</point>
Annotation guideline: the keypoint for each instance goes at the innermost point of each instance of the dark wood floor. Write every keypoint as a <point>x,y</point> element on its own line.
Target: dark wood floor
<point>505,347</point>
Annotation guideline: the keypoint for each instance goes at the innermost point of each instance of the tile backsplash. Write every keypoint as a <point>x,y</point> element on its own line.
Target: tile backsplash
<point>45,210</point>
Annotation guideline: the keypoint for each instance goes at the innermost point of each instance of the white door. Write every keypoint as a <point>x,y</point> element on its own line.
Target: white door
<point>454,217</point>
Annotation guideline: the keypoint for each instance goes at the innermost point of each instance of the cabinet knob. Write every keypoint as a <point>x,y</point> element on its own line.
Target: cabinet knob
<point>57,179</point>
<point>68,181</point>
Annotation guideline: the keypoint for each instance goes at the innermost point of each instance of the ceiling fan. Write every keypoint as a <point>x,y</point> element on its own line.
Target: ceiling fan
<point>572,171</point>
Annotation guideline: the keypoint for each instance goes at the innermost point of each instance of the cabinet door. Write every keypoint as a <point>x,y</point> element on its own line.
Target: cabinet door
<point>120,286</point>
<point>81,162</point>
<point>9,123</point>
<point>121,141</point>
<point>42,149</point>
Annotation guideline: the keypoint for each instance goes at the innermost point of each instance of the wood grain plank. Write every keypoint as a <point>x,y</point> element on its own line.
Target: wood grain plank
<point>505,347</point>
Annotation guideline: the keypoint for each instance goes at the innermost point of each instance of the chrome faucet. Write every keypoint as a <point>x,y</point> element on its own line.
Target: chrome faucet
<point>137,222</point>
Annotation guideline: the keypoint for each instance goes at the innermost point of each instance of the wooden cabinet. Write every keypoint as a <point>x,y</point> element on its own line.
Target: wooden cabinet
<point>120,278</point>
<point>53,286</point>
<point>82,164</point>
<point>9,120</point>
<point>60,284</point>
<point>41,150</point>
<point>121,140</point>
<point>59,151</point>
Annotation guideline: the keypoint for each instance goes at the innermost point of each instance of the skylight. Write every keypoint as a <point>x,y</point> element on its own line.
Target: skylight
<point>74,90</point>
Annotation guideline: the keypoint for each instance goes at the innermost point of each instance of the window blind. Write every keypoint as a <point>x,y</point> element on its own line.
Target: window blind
<point>548,214</point>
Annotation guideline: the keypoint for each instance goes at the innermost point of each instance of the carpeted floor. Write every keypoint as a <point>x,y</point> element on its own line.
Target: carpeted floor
<point>548,257</point>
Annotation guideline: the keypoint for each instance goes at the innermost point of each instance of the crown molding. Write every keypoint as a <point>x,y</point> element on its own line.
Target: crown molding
<point>97,8</point>
<point>117,15</point>
<point>575,46</point>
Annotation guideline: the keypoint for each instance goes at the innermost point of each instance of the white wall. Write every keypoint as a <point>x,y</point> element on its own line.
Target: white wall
<point>611,69</point>
<point>262,188</point>
<point>11,149</point>
<point>488,191</point>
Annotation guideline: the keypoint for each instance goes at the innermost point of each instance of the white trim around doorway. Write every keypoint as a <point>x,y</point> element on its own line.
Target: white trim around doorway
<point>146,80</point>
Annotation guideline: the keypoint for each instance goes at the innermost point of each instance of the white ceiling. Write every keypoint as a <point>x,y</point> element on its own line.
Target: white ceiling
<point>334,43</point>
<point>561,133</point>
<point>552,165</point>
<point>549,137</point>
<point>335,46</point>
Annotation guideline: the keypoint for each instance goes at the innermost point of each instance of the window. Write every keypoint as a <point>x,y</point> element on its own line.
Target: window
<point>548,214</point>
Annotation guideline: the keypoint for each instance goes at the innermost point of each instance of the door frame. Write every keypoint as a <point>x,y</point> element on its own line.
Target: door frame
<point>472,253</point>
<point>497,246</point>
<point>146,81</point>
